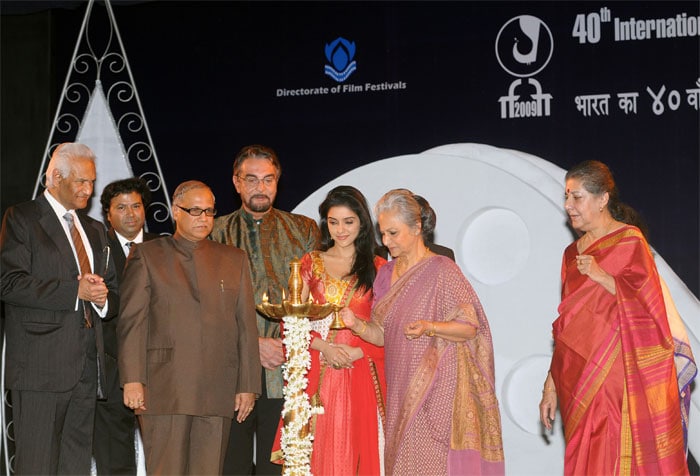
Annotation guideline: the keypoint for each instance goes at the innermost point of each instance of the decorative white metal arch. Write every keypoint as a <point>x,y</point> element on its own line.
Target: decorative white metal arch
<point>100,106</point>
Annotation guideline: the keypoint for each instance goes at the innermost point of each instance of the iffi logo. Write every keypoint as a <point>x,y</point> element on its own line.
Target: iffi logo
<point>524,46</point>
<point>340,53</point>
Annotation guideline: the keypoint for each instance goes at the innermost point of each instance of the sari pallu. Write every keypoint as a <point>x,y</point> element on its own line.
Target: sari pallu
<point>442,410</point>
<point>686,369</point>
<point>613,365</point>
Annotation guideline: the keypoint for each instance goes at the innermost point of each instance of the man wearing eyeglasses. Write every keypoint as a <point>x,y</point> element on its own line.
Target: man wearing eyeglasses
<point>188,347</point>
<point>272,238</point>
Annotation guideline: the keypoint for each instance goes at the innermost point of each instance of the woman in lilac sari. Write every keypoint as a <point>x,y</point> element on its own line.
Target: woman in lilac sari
<point>442,413</point>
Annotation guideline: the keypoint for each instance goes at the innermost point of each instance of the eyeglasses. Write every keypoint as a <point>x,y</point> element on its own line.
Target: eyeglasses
<point>196,211</point>
<point>251,181</point>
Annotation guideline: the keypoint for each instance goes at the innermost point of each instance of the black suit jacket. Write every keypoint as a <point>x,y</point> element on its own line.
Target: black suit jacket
<point>442,250</point>
<point>110,326</point>
<point>38,283</point>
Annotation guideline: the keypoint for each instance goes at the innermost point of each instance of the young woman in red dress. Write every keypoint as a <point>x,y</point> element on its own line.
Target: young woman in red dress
<point>347,373</point>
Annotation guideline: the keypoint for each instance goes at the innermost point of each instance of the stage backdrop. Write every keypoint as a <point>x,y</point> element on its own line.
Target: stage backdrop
<point>336,85</point>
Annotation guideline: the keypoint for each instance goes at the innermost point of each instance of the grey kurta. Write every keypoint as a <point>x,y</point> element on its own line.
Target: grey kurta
<point>187,327</point>
<point>271,242</point>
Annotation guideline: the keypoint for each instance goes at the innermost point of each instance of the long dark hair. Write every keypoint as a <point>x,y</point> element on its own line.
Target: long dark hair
<point>366,245</point>
<point>597,179</point>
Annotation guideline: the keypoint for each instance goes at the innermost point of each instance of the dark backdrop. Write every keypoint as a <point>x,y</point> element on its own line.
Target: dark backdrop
<point>208,72</point>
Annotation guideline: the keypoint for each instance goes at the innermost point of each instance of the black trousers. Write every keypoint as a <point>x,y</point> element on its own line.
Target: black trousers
<point>53,430</point>
<point>113,437</point>
<point>261,427</point>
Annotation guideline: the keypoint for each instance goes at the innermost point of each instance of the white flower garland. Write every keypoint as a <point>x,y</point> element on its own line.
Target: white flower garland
<point>297,440</point>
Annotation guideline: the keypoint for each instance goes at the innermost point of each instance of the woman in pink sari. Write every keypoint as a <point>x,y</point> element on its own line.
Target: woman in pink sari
<point>442,413</point>
<point>612,371</point>
<point>346,376</point>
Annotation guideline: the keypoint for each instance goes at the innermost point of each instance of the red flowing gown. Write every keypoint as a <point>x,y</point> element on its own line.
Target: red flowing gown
<point>348,435</point>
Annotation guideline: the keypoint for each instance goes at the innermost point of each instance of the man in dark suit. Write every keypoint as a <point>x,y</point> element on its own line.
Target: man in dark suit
<point>124,205</point>
<point>58,283</point>
<point>188,341</point>
<point>429,218</point>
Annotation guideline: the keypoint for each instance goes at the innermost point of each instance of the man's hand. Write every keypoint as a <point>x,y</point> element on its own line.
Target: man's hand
<point>134,396</point>
<point>92,288</point>
<point>244,405</point>
<point>271,352</point>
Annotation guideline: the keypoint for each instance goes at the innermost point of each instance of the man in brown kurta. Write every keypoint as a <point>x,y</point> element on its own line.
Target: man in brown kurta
<point>188,341</point>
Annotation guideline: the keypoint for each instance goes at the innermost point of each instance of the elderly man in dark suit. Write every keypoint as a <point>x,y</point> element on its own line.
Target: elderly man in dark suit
<point>124,204</point>
<point>188,341</point>
<point>58,282</point>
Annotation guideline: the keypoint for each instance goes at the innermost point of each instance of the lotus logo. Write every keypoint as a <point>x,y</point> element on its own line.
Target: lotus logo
<point>340,53</point>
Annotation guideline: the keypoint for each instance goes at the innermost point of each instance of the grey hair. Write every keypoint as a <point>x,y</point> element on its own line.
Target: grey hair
<point>187,186</point>
<point>63,157</point>
<point>402,202</point>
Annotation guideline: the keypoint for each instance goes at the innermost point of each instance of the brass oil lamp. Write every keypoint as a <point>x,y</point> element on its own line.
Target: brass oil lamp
<point>297,410</point>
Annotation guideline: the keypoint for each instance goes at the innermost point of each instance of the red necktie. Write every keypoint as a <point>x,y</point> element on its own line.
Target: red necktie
<point>83,259</point>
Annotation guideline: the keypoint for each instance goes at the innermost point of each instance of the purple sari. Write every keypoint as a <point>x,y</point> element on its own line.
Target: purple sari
<point>441,408</point>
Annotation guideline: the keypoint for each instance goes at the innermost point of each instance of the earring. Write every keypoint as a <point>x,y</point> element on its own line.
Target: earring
<point>601,209</point>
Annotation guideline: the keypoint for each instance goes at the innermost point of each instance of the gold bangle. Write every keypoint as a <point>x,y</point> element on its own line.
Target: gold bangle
<point>549,390</point>
<point>364,328</point>
<point>431,331</point>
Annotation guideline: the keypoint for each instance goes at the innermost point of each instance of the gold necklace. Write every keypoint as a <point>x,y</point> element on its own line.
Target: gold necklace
<point>402,263</point>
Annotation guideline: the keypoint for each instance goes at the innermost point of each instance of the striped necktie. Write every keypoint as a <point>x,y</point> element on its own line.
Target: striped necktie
<point>83,259</point>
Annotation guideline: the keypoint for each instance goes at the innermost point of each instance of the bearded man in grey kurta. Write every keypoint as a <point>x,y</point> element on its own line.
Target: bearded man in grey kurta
<point>188,341</point>
<point>272,238</point>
